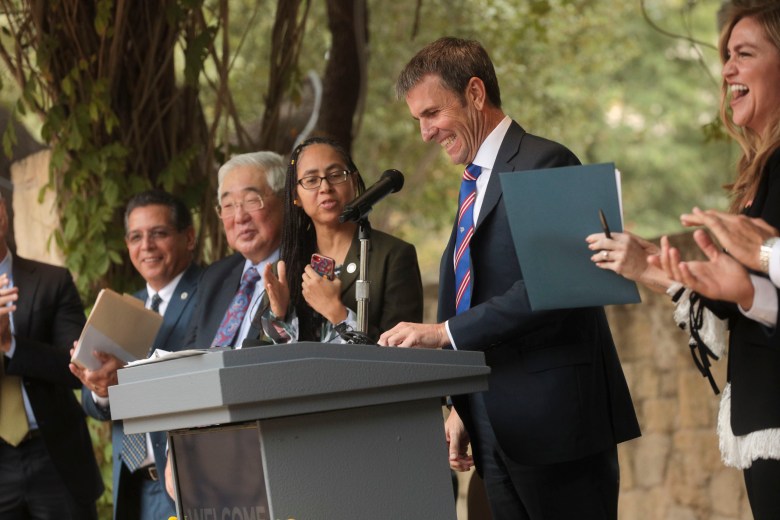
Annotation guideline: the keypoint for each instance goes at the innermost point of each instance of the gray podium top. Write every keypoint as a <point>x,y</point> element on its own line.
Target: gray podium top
<point>229,386</point>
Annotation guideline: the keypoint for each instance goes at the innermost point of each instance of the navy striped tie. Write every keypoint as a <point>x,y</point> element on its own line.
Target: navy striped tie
<point>462,260</point>
<point>134,444</point>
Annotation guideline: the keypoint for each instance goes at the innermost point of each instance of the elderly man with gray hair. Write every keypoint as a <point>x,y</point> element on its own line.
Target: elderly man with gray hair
<point>250,206</point>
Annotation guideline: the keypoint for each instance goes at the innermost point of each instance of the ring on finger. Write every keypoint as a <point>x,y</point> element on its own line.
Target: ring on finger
<point>605,254</point>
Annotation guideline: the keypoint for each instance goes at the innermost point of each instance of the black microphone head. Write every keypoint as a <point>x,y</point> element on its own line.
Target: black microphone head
<point>396,179</point>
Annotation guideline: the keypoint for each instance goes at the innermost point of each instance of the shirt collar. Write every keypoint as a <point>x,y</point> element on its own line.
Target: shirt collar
<point>488,150</point>
<point>260,267</point>
<point>166,293</point>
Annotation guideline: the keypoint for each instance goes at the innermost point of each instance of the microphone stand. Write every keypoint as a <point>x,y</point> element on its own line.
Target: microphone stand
<point>363,286</point>
<point>362,290</point>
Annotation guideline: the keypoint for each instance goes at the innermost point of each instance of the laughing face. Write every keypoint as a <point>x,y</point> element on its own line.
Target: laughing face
<point>158,251</point>
<point>254,234</point>
<point>752,73</point>
<point>459,127</point>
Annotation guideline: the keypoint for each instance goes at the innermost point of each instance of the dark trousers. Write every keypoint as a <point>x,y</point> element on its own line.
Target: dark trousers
<point>762,481</point>
<point>585,489</point>
<point>32,489</point>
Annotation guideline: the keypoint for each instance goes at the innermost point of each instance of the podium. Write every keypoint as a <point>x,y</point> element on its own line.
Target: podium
<point>305,430</point>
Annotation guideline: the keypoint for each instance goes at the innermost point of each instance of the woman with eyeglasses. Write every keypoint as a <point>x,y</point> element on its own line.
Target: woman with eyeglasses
<point>304,305</point>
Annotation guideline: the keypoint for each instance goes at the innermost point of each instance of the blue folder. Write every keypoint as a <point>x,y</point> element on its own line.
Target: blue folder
<point>550,213</point>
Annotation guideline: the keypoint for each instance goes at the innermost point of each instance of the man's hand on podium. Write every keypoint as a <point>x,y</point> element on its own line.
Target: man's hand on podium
<point>458,443</point>
<point>420,335</point>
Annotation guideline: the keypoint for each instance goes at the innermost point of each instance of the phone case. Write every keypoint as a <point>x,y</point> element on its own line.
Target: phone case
<point>324,265</point>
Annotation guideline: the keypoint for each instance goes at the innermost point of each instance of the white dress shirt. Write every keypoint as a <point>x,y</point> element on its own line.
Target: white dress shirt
<point>764,308</point>
<point>256,296</point>
<point>485,159</point>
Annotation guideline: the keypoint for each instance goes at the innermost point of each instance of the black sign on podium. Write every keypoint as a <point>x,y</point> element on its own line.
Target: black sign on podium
<point>207,460</point>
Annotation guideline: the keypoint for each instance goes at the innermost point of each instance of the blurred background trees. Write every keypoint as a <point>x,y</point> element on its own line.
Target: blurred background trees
<point>131,96</point>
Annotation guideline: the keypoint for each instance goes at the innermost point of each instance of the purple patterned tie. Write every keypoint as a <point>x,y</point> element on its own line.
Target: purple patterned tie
<point>462,261</point>
<point>235,313</point>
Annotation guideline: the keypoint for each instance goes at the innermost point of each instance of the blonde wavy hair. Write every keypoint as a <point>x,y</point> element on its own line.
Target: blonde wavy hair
<point>756,149</point>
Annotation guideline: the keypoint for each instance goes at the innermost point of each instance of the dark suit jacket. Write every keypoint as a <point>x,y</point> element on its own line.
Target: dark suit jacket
<point>48,319</point>
<point>396,287</point>
<point>395,291</point>
<point>556,388</point>
<point>218,284</point>
<point>170,337</point>
<point>754,351</point>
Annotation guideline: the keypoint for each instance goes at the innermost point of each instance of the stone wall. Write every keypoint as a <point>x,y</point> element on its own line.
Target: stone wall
<point>34,220</point>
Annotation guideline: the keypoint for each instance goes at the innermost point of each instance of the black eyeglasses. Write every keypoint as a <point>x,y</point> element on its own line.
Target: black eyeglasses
<point>312,182</point>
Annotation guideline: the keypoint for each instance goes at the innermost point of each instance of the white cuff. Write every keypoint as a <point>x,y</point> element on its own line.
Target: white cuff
<point>449,335</point>
<point>350,320</point>
<point>100,401</point>
<point>764,308</point>
<point>774,265</point>
<point>12,350</point>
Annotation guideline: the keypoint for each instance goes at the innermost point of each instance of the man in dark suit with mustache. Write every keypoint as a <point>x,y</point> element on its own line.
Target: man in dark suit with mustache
<point>160,240</point>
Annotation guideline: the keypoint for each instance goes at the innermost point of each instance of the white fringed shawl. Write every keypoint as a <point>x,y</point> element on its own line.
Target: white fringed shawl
<point>736,451</point>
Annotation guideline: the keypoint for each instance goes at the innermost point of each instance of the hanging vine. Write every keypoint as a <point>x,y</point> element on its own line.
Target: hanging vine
<point>117,85</point>
<point>102,77</point>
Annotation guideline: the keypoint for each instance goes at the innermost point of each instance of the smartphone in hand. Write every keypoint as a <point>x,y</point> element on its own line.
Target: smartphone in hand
<point>325,266</point>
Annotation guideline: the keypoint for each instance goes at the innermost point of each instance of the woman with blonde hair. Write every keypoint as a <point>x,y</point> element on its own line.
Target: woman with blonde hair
<point>749,419</point>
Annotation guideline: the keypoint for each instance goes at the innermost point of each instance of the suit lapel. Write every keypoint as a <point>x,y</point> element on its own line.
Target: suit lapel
<point>510,147</point>
<point>179,301</point>
<point>226,292</point>
<point>353,257</point>
<point>142,295</point>
<point>27,282</point>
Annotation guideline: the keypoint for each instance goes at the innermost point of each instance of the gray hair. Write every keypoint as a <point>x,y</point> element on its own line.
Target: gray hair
<point>271,163</point>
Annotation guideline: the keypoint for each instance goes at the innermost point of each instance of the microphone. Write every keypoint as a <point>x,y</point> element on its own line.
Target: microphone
<point>391,181</point>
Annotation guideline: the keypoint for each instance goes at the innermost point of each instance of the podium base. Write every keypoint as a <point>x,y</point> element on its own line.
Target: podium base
<point>378,462</point>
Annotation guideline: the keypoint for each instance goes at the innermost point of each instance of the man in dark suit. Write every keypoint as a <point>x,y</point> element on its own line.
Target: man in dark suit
<point>250,206</point>
<point>47,467</point>
<point>544,435</point>
<point>160,240</point>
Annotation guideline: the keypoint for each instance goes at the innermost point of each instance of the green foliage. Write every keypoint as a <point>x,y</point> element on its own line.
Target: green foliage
<point>592,74</point>
<point>195,54</point>
<point>9,139</point>
<point>588,73</point>
<point>115,119</point>
<point>87,176</point>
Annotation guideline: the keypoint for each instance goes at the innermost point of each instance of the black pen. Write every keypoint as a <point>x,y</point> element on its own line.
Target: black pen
<point>604,224</point>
